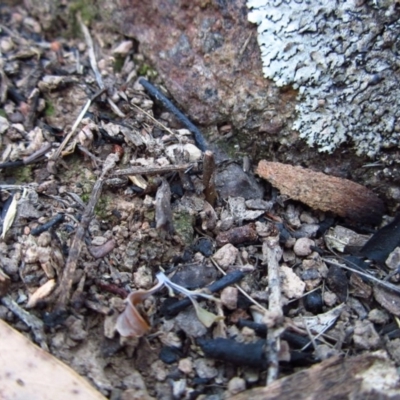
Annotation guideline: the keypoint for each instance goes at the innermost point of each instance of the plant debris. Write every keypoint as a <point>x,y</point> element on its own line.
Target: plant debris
<point>154,268</point>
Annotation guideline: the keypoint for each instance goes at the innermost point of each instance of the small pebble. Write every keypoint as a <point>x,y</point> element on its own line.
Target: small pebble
<point>186,366</point>
<point>169,354</point>
<point>226,256</point>
<point>313,302</point>
<point>204,246</point>
<point>229,297</point>
<point>377,316</point>
<point>236,385</point>
<point>393,261</point>
<point>205,368</point>
<point>330,299</point>
<point>302,247</point>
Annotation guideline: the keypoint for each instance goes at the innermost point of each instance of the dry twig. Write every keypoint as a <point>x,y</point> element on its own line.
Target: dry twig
<point>64,289</point>
<point>154,170</point>
<point>33,322</point>
<point>210,191</point>
<point>274,318</point>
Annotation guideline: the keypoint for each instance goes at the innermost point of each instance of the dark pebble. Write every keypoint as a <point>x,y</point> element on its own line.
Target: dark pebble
<point>169,355</point>
<point>313,302</point>
<point>204,246</point>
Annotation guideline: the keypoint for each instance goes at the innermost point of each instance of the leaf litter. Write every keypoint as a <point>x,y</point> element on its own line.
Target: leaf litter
<point>90,254</point>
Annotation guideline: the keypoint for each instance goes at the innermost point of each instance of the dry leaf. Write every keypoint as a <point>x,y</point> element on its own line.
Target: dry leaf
<point>28,372</point>
<point>131,323</point>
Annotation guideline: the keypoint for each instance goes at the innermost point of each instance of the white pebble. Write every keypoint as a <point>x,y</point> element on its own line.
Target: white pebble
<point>302,247</point>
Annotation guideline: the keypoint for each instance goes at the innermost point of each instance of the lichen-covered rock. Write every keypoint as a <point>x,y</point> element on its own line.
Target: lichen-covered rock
<point>343,59</point>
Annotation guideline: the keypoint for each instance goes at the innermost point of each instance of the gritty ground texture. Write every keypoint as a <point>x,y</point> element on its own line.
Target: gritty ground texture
<point>343,58</point>
<point>116,232</point>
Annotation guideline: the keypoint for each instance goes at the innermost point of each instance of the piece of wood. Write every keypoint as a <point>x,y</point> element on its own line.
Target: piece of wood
<point>324,192</point>
<point>29,372</point>
<point>368,376</point>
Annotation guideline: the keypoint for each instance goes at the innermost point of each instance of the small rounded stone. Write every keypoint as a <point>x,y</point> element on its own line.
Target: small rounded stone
<point>236,385</point>
<point>302,247</point>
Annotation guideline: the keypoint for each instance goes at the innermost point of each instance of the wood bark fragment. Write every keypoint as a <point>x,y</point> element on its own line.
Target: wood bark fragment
<point>323,192</point>
<point>368,376</point>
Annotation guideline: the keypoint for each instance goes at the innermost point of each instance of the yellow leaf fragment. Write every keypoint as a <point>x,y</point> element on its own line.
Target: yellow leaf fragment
<point>28,372</point>
<point>207,318</point>
<point>139,181</point>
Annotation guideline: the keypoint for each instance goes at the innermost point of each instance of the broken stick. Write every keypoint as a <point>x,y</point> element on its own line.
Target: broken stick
<point>64,290</point>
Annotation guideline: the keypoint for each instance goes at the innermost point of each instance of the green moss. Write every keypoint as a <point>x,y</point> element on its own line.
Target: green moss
<point>147,70</point>
<point>183,224</point>
<point>118,64</point>
<point>2,113</point>
<point>23,174</point>
<point>87,10</point>
<point>49,110</point>
<point>101,210</point>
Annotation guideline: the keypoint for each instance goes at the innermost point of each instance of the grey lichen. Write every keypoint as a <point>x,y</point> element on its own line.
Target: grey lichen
<point>343,57</point>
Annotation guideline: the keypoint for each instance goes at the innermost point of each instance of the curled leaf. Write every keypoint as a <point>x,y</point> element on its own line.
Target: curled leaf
<point>130,323</point>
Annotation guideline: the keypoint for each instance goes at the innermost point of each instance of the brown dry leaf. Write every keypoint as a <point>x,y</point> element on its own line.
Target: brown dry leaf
<point>323,192</point>
<point>28,372</point>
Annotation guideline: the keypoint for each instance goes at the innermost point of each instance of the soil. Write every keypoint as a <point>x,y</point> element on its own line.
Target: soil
<point>93,208</point>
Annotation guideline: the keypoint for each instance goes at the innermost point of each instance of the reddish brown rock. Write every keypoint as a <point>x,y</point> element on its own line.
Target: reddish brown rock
<point>207,55</point>
<point>323,192</point>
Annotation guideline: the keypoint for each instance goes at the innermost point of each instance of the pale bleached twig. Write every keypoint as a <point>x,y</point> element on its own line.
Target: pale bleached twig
<point>92,56</point>
<point>272,254</point>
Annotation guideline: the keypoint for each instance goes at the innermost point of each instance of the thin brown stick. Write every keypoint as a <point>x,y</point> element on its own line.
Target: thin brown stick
<point>64,289</point>
<point>210,192</point>
<point>153,170</point>
<point>272,254</point>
